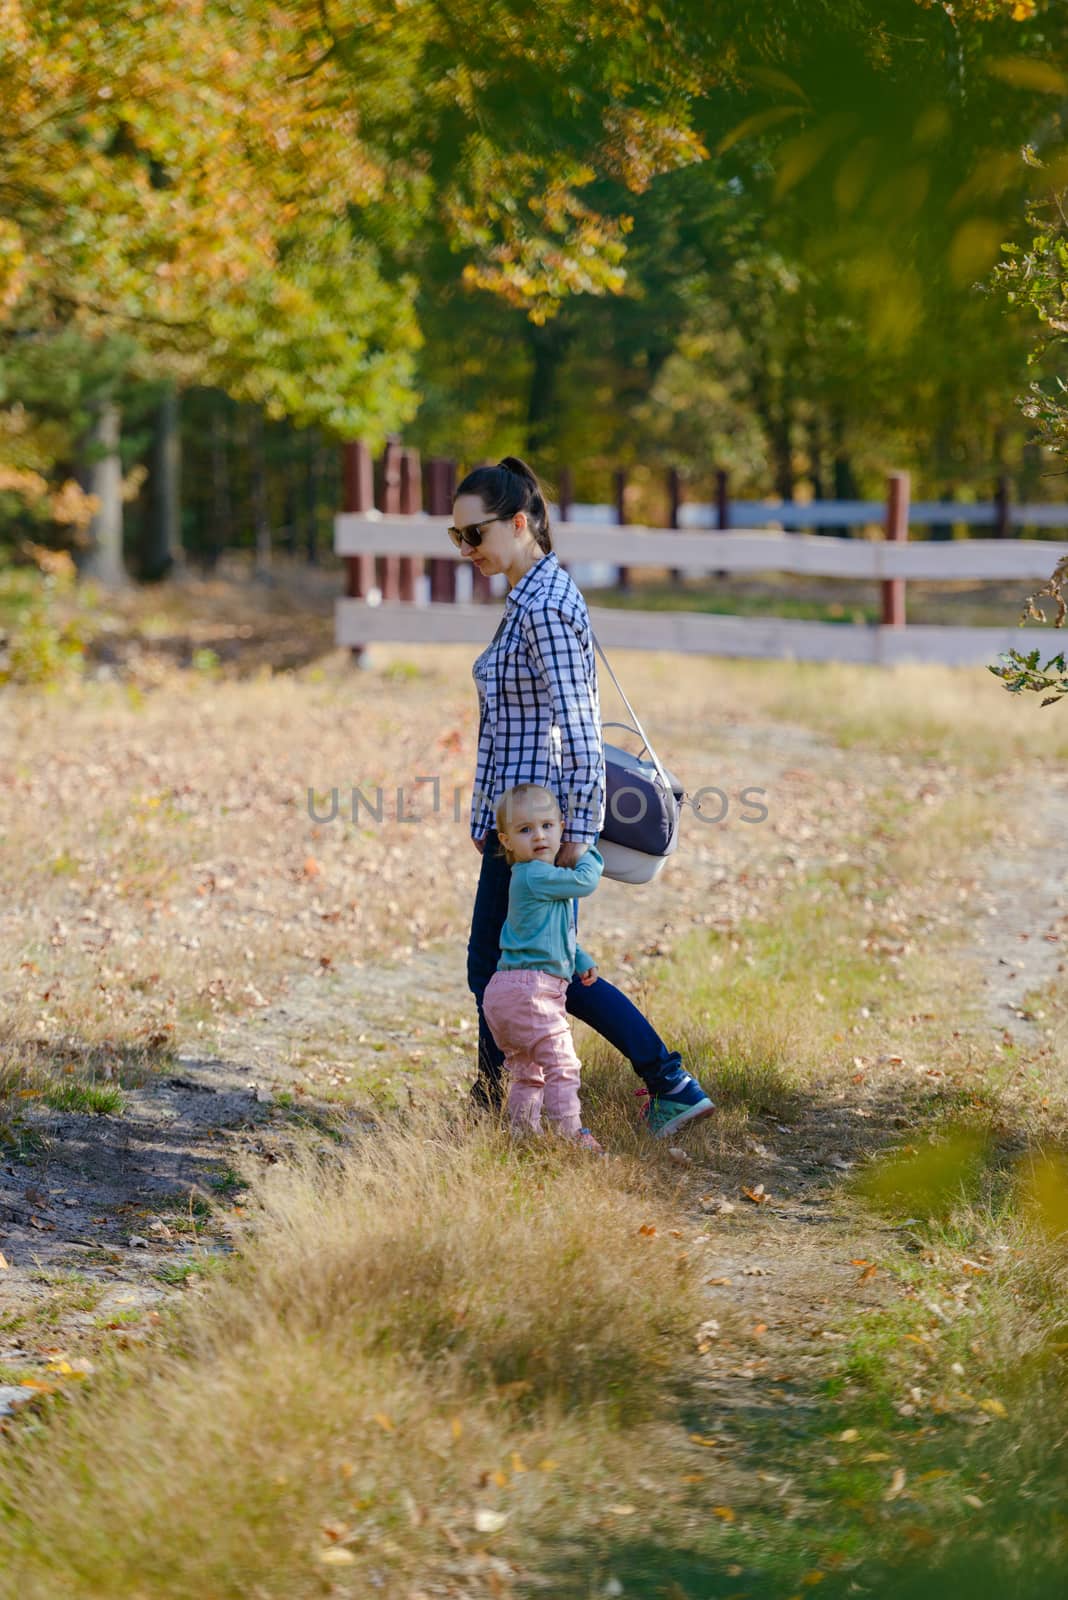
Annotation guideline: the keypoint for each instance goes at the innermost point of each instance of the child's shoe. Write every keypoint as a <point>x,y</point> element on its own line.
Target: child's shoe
<point>585,1141</point>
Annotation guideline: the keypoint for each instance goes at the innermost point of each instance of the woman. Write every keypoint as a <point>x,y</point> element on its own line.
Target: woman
<point>540,723</point>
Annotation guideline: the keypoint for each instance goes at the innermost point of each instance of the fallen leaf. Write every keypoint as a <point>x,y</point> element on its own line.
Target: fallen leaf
<point>457,1428</point>
<point>724,1513</point>
<point>756,1195</point>
<point>897,1484</point>
<point>548,1465</point>
<point>647,1229</point>
<point>811,1579</point>
<point>876,1455</point>
<point>335,1556</point>
<point>974,1500</point>
<point>868,1274</point>
<point>3,1262</point>
<point>718,1283</point>
<point>486,1521</point>
<point>848,1435</point>
<point>622,1511</point>
<point>993,1408</point>
<point>704,1439</point>
<point>760,1328</point>
<point>383,1421</point>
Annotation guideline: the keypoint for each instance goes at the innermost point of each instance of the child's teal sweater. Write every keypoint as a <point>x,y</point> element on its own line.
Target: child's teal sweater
<point>540,930</point>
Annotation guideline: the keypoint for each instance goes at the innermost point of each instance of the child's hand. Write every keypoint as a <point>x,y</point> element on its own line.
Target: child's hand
<point>588,977</point>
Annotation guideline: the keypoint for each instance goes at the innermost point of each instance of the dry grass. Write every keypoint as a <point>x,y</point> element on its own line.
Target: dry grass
<point>435,1330</point>
<point>435,1324</point>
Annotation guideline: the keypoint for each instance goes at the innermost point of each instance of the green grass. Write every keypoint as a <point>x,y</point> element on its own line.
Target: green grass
<point>180,1272</point>
<point>94,1099</point>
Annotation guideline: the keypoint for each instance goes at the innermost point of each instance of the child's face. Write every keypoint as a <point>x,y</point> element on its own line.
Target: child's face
<point>533,833</point>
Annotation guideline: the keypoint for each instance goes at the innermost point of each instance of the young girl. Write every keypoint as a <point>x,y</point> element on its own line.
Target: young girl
<point>524,999</point>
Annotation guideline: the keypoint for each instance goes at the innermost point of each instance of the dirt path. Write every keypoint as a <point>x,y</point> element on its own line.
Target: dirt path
<point>110,1215</point>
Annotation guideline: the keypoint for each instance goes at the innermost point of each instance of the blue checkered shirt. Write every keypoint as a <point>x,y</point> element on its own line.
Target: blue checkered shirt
<point>540,716</point>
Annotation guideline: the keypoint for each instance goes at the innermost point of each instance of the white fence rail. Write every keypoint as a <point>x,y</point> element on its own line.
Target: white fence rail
<point>360,622</point>
<point>372,533</point>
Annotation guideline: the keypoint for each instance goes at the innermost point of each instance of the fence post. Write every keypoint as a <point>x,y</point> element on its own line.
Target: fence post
<point>564,499</point>
<point>358,495</point>
<point>439,485</point>
<point>675,504</point>
<point>897,530</point>
<point>411,501</point>
<point>1002,508</point>
<point>723,504</point>
<point>619,487</point>
<point>388,498</point>
<point>723,513</point>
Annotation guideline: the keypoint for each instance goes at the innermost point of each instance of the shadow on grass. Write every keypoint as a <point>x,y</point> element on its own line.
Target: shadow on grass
<point>644,1569</point>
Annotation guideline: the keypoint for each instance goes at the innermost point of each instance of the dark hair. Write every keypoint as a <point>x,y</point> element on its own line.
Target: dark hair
<point>509,487</point>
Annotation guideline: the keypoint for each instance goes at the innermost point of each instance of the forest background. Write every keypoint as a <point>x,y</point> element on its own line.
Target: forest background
<point>797,242</point>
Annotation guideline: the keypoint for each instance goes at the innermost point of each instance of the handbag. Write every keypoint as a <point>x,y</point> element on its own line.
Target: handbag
<point>643,804</point>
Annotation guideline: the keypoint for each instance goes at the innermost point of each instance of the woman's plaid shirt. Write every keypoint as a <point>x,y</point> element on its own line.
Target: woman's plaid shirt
<point>541,718</point>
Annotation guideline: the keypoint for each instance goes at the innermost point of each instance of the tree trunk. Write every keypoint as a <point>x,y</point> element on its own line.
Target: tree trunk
<point>548,346</point>
<point>103,474</point>
<point>163,546</point>
<point>314,484</point>
<point>261,516</point>
<point>221,505</point>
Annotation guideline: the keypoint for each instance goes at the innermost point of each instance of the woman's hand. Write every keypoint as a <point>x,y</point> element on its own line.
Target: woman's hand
<point>479,844</point>
<point>570,854</point>
<point>589,976</point>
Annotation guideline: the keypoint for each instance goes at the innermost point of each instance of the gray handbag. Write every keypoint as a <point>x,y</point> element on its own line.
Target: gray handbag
<point>643,803</point>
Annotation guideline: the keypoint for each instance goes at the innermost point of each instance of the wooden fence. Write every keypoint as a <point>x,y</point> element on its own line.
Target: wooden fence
<point>389,596</point>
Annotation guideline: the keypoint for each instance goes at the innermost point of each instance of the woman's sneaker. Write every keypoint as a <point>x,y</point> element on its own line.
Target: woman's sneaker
<point>676,1103</point>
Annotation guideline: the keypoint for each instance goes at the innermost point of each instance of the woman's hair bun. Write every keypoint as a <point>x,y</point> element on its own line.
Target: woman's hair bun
<point>519,468</point>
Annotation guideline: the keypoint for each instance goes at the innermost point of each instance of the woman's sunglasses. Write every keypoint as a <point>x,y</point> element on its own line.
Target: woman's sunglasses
<point>472,535</point>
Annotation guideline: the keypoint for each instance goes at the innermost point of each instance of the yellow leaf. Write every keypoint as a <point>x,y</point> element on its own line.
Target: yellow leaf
<point>724,1513</point>
<point>517,1463</point>
<point>457,1428</point>
<point>994,1408</point>
<point>337,1557</point>
<point>876,1455</point>
<point>3,1262</point>
<point>383,1421</point>
<point>622,1511</point>
<point>756,124</point>
<point>897,1484</point>
<point>701,1438</point>
<point>548,1465</point>
<point>1024,72</point>
<point>848,1435</point>
<point>811,1579</point>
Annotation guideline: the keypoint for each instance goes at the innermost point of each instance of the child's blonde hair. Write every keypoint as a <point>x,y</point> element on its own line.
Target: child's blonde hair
<point>506,807</point>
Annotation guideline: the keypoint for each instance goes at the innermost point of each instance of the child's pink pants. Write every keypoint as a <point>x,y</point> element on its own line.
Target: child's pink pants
<point>525,1012</point>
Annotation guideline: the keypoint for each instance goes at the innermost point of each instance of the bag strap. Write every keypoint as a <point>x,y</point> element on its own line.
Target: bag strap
<point>637,725</point>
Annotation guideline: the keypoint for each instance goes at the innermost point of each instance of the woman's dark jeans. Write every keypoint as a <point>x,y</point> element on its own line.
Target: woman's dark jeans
<point>598,1004</point>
